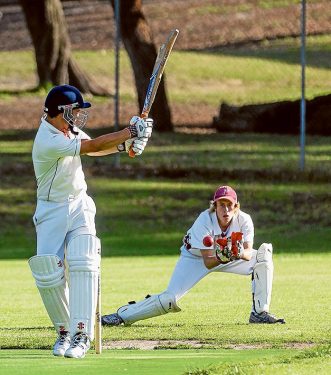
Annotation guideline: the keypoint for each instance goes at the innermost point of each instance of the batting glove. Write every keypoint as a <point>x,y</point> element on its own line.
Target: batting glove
<point>140,128</point>
<point>125,146</point>
<point>138,145</point>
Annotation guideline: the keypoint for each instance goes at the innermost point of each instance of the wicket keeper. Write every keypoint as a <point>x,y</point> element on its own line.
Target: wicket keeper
<point>220,224</point>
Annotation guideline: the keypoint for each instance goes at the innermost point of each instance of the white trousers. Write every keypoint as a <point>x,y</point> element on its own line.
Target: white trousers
<point>56,223</point>
<point>190,269</point>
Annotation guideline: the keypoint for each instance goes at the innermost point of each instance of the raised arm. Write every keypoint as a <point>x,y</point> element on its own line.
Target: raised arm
<point>136,134</point>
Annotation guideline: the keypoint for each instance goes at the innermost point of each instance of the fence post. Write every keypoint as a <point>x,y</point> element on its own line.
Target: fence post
<point>303,84</point>
<point>117,67</point>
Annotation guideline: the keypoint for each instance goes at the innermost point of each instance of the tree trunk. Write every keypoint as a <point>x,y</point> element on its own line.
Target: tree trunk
<point>46,23</point>
<point>280,117</point>
<point>137,39</point>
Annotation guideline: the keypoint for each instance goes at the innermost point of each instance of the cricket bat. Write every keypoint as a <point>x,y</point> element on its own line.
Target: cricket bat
<point>154,81</point>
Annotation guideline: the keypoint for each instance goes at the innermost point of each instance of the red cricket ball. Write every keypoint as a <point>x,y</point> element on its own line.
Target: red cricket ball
<point>208,241</point>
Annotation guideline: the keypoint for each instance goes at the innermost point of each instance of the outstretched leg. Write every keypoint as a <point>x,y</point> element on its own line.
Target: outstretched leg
<point>188,271</point>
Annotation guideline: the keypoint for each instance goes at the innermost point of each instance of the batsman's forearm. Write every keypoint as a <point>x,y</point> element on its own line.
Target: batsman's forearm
<point>113,150</point>
<point>105,142</point>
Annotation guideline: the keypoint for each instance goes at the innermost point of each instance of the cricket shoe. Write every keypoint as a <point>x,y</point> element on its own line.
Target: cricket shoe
<point>61,344</point>
<point>79,346</point>
<point>111,320</point>
<point>264,318</point>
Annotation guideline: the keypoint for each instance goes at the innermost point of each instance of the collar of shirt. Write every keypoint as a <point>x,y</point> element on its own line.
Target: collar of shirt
<point>49,126</point>
<point>54,130</point>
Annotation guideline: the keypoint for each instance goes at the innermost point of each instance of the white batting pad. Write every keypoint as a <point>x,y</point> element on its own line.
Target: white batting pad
<point>262,278</point>
<point>48,272</point>
<point>148,308</point>
<point>83,258</point>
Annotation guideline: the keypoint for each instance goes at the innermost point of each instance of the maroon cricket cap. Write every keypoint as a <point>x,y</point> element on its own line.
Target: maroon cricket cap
<point>225,192</point>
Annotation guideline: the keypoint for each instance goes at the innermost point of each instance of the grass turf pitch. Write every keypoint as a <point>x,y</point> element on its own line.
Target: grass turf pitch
<point>39,362</point>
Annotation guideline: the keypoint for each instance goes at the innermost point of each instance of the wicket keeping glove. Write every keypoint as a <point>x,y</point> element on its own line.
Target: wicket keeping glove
<point>223,250</point>
<point>237,250</point>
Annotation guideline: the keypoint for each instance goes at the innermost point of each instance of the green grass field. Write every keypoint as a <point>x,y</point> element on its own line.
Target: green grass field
<point>163,192</point>
<point>215,312</point>
<point>218,322</point>
<point>145,207</point>
<point>167,362</point>
<point>258,74</point>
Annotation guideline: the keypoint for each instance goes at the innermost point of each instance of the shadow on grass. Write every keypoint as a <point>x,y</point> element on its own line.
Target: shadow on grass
<point>26,328</point>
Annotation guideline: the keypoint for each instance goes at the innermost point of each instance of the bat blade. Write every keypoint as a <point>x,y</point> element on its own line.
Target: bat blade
<point>158,69</point>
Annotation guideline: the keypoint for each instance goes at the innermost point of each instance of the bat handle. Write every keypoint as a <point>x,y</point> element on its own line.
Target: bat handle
<point>131,152</point>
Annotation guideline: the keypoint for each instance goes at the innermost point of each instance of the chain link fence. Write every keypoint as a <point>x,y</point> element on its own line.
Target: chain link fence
<point>267,33</point>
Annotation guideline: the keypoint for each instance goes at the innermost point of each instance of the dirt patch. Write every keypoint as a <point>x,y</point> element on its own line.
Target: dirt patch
<point>25,112</point>
<point>152,344</point>
<point>290,345</point>
<point>192,344</point>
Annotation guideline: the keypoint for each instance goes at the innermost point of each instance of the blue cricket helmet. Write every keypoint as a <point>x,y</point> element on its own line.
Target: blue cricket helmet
<point>63,95</point>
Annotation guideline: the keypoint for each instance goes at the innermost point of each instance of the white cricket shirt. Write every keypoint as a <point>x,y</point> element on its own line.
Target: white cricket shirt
<point>207,224</point>
<point>57,164</point>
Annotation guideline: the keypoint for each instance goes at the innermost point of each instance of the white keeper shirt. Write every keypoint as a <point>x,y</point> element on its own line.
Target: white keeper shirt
<point>207,225</point>
<point>57,164</point>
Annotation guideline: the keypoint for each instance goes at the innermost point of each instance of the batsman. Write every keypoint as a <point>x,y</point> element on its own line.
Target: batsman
<point>64,218</point>
<point>220,240</point>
